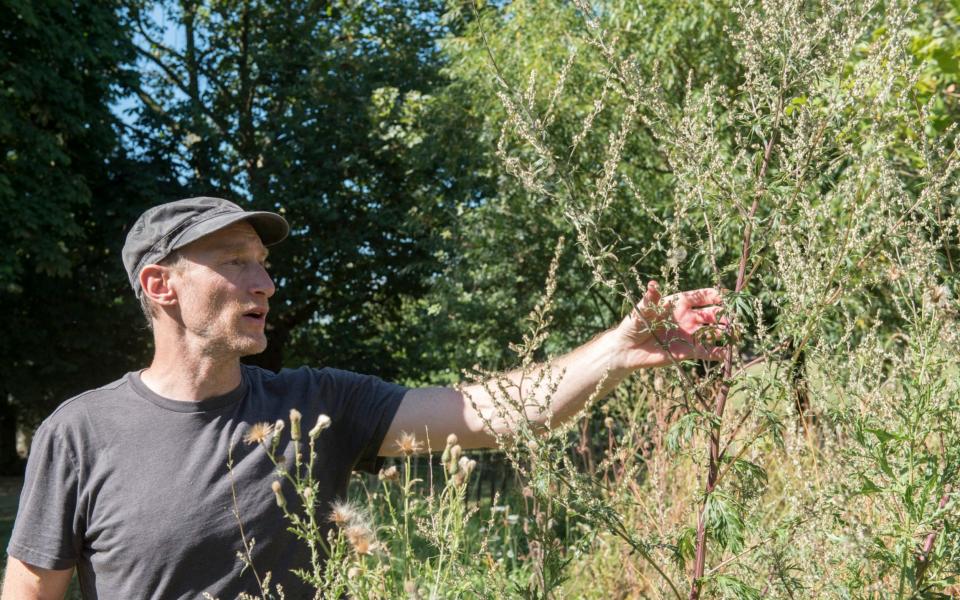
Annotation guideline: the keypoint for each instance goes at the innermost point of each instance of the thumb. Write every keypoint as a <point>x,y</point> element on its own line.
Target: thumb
<point>649,304</point>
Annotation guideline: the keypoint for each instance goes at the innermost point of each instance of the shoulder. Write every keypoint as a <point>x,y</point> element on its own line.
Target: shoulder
<point>258,377</point>
<point>316,382</point>
<point>72,426</point>
<point>80,406</point>
<point>302,374</point>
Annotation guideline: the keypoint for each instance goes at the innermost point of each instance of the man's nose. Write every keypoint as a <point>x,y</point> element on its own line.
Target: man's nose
<point>263,283</point>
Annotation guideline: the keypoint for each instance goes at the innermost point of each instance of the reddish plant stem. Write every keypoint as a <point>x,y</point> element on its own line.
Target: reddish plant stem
<point>923,556</point>
<point>723,389</point>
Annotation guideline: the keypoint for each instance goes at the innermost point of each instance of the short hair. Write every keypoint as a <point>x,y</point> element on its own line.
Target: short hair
<point>174,260</point>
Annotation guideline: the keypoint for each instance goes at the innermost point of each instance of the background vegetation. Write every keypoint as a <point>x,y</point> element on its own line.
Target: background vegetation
<point>430,155</point>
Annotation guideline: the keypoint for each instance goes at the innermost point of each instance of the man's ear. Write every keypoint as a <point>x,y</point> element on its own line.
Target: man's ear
<point>155,282</point>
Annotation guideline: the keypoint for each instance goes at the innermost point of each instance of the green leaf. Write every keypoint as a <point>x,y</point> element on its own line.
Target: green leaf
<point>884,436</point>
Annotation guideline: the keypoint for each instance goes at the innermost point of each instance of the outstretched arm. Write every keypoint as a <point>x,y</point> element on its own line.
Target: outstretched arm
<point>657,333</point>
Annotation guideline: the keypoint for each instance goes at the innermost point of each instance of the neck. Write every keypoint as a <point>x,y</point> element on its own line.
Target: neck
<point>184,371</point>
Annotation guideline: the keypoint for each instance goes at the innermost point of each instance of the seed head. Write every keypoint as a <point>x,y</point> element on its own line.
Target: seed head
<point>323,421</point>
<point>453,465</point>
<point>258,433</point>
<point>608,422</point>
<point>343,514</point>
<point>391,473</point>
<point>407,444</point>
<point>295,417</point>
<point>451,442</point>
<point>360,538</point>
<point>278,494</point>
<point>353,572</point>
<point>464,467</point>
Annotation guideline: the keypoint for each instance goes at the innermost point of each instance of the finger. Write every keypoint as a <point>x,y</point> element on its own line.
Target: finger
<point>652,295</point>
<point>710,316</point>
<point>701,297</point>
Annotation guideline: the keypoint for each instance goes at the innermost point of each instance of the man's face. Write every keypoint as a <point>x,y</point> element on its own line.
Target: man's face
<point>223,290</point>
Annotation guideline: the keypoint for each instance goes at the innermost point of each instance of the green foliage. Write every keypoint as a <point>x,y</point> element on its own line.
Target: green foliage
<point>801,154</point>
<point>59,61</point>
<point>68,190</point>
<point>809,179</point>
<point>324,112</point>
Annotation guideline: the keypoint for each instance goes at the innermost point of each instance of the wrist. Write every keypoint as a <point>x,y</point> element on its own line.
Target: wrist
<point>613,352</point>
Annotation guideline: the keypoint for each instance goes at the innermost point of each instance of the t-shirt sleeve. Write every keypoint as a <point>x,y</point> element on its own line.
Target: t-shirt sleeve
<point>365,409</point>
<point>46,533</point>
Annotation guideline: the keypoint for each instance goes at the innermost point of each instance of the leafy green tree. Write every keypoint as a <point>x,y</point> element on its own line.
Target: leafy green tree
<point>67,193</point>
<point>314,110</point>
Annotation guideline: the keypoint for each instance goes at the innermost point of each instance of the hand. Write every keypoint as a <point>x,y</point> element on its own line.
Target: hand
<point>656,333</point>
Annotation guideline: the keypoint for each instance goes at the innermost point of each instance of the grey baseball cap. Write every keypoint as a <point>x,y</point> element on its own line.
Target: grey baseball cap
<point>162,229</point>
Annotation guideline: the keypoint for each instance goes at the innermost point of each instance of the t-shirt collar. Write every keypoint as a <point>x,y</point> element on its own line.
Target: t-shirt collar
<point>207,404</point>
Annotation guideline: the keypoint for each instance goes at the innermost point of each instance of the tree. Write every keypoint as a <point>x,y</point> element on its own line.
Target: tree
<point>313,110</point>
<point>61,66</point>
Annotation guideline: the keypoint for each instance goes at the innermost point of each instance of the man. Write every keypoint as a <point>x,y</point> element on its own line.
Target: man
<point>128,483</point>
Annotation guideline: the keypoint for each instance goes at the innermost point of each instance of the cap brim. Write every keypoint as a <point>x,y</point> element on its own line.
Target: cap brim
<point>271,227</point>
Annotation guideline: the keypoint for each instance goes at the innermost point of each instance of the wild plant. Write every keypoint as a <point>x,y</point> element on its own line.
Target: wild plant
<point>816,190</point>
<point>819,458</point>
<point>401,538</point>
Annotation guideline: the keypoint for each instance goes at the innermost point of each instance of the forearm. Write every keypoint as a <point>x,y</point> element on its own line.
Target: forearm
<point>653,335</point>
<point>591,370</point>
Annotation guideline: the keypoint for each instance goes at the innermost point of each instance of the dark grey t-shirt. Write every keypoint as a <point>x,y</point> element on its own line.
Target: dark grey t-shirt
<point>133,488</point>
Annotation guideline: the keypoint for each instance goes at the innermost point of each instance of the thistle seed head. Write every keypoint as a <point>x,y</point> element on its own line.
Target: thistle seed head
<point>391,473</point>
<point>451,442</point>
<point>408,444</point>
<point>360,538</point>
<point>453,465</point>
<point>323,421</point>
<point>278,494</point>
<point>343,514</point>
<point>258,433</point>
<point>295,417</point>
